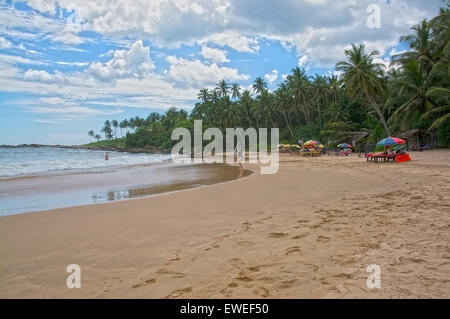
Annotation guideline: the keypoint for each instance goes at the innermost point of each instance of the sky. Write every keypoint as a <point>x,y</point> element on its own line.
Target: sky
<point>66,66</point>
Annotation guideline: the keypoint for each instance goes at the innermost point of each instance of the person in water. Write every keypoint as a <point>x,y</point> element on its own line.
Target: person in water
<point>106,156</point>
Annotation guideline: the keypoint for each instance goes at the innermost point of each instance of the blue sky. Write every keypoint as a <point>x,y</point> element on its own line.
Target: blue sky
<point>67,66</point>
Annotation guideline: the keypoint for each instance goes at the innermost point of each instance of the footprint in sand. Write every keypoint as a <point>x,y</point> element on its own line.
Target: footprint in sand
<point>179,293</point>
<point>323,239</point>
<point>243,277</point>
<point>300,236</point>
<point>246,225</point>
<point>254,268</point>
<point>170,272</point>
<point>261,291</point>
<point>147,282</point>
<point>292,250</point>
<point>278,235</point>
<point>173,260</point>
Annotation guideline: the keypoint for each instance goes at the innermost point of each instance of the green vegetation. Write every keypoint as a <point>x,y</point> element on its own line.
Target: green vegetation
<point>412,93</point>
<point>118,142</point>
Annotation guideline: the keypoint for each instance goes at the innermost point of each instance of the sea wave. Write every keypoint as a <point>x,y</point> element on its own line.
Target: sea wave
<point>15,162</point>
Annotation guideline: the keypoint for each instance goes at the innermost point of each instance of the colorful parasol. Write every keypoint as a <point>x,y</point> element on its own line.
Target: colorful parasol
<point>311,143</point>
<point>390,141</point>
<point>344,145</point>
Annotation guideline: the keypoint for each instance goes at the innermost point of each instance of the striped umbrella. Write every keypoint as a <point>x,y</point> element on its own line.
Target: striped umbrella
<point>344,145</point>
<point>390,141</point>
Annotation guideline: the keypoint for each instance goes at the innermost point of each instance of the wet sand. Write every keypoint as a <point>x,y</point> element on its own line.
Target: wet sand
<point>309,231</point>
<point>41,192</point>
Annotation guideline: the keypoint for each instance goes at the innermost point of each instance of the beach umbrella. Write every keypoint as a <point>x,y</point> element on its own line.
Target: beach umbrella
<point>390,141</point>
<point>311,143</point>
<point>344,145</point>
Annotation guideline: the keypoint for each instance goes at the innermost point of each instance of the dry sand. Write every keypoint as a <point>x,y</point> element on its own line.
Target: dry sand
<point>308,231</point>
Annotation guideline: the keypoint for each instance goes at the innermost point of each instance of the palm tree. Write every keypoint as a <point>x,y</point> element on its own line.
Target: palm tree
<point>123,125</point>
<point>283,102</point>
<point>107,130</point>
<point>361,76</point>
<point>235,91</point>
<point>410,92</point>
<point>265,108</point>
<point>115,124</point>
<point>259,85</point>
<point>204,95</point>
<point>97,137</point>
<point>420,43</point>
<point>91,133</point>
<point>442,112</point>
<point>320,94</point>
<point>222,88</point>
<point>335,87</point>
<point>246,101</point>
<point>229,112</point>
<point>298,83</point>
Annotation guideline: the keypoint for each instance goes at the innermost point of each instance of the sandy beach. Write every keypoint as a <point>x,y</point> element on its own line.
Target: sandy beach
<point>309,231</point>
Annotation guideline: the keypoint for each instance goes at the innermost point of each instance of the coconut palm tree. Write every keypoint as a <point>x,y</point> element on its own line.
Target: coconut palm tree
<point>362,77</point>
<point>410,93</point>
<point>320,95</point>
<point>91,133</point>
<point>420,44</point>
<point>98,137</point>
<point>235,91</point>
<point>222,88</point>
<point>123,125</point>
<point>283,102</point>
<point>229,112</point>
<point>441,114</point>
<point>298,83</point>
<point>115,124</point>
<point>259,85</point>
<point>204,95</point>
<point>107,130</point>
<point>246,102</point>
<point>265,109</point>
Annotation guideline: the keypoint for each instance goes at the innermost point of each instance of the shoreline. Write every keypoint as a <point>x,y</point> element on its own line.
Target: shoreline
<point>308,231</point>
<point>132,150</point>
<point>69,189</point>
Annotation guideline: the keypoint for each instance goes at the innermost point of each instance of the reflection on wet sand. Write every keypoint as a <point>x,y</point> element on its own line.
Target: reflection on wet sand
<point>28,194</point>
<point>209,174</point>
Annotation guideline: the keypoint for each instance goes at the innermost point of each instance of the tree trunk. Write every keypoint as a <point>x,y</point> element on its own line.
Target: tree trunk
<point>287,123</point>
<point>380,115</point>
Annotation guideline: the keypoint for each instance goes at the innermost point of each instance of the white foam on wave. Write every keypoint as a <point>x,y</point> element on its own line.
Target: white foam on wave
<point>31,161</point>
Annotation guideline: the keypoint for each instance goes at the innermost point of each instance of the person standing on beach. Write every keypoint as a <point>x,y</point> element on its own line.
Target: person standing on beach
<point>106,156</point>
<point>240,158</point>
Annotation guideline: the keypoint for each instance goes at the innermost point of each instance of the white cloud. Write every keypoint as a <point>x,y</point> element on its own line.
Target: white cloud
<point>134,62</point>
<point>271,77</point>
<point>41,75</point>
<point>5,43</point>
<point>193,73</point>
<point>214,55</point>
<point>303,60</point>
<point>72,111</point>
<point>319,29</point>
<point>233,40</point>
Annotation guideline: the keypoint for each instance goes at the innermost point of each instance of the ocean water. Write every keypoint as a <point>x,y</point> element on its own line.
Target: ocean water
<point>34,179</point>
<point>16,162</point>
